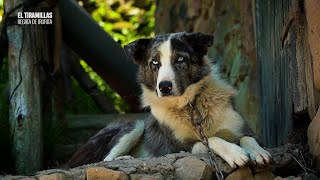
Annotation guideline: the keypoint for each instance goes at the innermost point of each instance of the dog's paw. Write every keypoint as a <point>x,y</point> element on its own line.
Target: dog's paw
<point>257,154</point>
<point>199,148</point>
<point>235,156</point>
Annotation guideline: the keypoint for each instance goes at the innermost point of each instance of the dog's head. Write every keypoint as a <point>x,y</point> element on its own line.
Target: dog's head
<point>169,63</point>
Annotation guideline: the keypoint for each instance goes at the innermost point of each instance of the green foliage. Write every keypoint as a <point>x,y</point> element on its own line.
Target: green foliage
<point>125,21</point>
<point>118,102</point>
<point>1,9</point>
<point>81,102</point>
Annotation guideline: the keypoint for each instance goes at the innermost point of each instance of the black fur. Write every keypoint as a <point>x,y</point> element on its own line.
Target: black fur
<point>136,50</point>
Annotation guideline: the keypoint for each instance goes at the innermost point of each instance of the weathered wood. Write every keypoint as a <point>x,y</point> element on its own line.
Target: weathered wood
<point>27,49</point>
<point>87,83</point>
<point>70,67</point>
<point>100,51</point>
<point>274,70</point>
<point>305,97</point>
<point>313,14</point>
<point>287,69</point>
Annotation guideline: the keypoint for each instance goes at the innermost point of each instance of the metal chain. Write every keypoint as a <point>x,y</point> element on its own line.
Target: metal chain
<point>204,140</point>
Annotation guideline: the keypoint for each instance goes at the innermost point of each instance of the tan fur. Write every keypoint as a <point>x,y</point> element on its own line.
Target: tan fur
<point>213,101</point>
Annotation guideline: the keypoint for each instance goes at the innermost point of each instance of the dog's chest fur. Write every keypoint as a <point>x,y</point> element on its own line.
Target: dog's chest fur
<point>213,101</point>
<point>178,120</point>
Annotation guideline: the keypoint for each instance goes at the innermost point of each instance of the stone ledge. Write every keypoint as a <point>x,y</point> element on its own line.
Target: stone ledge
<point>172,166</point>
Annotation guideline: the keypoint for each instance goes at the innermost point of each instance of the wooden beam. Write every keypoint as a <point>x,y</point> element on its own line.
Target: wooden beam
<point>27,48</point>
<point>100,51</point>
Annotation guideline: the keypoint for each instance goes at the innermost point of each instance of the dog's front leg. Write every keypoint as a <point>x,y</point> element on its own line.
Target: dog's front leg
<point>233,154</point>
<point>257,154</point>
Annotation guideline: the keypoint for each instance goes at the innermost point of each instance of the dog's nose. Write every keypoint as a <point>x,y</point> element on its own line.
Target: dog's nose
<point>165,87</point>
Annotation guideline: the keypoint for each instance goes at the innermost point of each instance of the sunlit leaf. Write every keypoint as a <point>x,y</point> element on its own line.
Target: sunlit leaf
<point>122,25</point>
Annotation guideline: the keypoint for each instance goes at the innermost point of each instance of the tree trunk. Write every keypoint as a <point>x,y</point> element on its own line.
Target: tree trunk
<point>28,48</point>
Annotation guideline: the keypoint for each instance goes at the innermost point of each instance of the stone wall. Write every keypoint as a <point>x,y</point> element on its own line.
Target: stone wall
<point>172,166</point>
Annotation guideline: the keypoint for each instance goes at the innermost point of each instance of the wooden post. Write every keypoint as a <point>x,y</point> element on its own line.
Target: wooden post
<point>27,48</point>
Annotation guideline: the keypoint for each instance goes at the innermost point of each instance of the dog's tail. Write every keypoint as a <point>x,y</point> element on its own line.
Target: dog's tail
<point>101,145</point>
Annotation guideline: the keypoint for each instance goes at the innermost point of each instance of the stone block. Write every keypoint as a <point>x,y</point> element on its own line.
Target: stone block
<point>288,178</point>
<point>243,173</point>
<point>146,177</point>
<point>55,176</point>
<point>265,175</point>
<point>100,173</point>
<point>192,168</point>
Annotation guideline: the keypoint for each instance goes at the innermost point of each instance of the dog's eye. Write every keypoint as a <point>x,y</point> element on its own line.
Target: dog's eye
<point>155,62</point>
<point>180,59</point>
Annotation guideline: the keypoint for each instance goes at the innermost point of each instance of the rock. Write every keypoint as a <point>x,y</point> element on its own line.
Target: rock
<point>260,169</point>
<point>314,138</point>
<point>192,168</point>
<point>99,173</point>
<point>283,160</point>
<point>128,170</point>
<point>146,177</point>
<point>266,175</point>
<point>310,176</point>
<point>288,178</point>
<point>312,13</point>
<point>243,173</point>
<point>8,177</point>
<point>55,176</point>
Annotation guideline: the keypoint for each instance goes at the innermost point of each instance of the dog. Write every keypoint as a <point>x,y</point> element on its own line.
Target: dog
<point>176,79</point>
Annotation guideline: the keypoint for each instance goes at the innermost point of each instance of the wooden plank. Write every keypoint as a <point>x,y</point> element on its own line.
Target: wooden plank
<point>312,14</point>
<point>99,121</point>
<point>274,69</point>
<point>26,51</point>
<point>306,97</point>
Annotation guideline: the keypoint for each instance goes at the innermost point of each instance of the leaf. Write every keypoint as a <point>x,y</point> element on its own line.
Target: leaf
<point>122,25</point>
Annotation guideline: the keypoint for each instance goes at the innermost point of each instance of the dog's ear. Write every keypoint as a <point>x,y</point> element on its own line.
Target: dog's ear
<point>200,42</point>
<point>137,50</point>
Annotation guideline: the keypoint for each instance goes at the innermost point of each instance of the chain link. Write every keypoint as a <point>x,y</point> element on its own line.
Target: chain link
<point>204,140</point>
